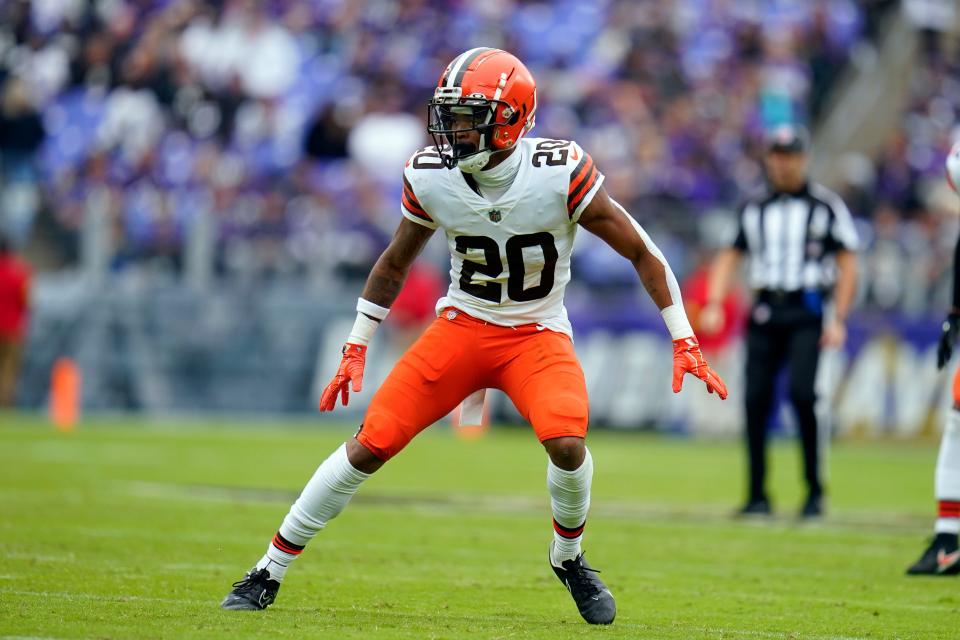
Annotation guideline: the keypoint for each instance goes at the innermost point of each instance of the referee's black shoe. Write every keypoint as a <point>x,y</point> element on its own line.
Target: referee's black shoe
<point>594,600</point>
<point>812,507</point>
<point>755,507</point>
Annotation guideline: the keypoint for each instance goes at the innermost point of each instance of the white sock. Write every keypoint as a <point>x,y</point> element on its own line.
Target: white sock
<point>569,501</point>
<point>322,500</point>
<point>947,478</point>
<point>277,569</point>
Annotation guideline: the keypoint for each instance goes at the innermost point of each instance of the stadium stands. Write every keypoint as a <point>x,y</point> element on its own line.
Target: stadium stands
<point>149,144</point>
<point>256,112</point>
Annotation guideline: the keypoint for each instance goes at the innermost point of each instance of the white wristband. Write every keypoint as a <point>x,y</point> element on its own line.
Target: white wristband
<point>676,320</point>
<point>373,310</point>
<point>363,330</point>
<point>368,319</point>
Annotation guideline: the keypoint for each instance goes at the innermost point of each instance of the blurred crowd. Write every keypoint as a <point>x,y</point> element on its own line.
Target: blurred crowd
<point>902,192</point>
<point>286,122</point>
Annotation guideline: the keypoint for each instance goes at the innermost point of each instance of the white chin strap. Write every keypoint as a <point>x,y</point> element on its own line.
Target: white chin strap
<point>474,163</point>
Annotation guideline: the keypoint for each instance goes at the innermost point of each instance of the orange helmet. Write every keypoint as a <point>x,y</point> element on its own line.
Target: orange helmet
<point>493,92</point>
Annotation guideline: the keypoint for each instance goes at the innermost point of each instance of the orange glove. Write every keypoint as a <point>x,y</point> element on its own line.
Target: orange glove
<point>687,358</point>
<point>350,370</point>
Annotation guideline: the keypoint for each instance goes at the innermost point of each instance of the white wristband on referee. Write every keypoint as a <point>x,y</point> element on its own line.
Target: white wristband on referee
<point>675,318</point>
<point>368,319</point>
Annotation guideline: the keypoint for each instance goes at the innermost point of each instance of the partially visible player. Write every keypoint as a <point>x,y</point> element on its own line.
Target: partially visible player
<point>510,207</point>
<point>14,314</point>
<point>942,557</point>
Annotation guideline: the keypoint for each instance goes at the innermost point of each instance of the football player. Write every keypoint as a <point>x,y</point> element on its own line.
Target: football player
<point>510,207</point>
<point>942,557</point>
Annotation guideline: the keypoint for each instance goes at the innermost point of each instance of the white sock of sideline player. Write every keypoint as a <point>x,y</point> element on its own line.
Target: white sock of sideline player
<point>322,500</point>
<point>948,477</point>
<point>569,501</point>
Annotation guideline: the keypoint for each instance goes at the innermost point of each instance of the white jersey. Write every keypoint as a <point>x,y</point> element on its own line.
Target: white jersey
<point>509,257</point>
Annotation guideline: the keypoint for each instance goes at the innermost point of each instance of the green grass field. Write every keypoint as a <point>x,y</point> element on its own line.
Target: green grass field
<point>136,530</point>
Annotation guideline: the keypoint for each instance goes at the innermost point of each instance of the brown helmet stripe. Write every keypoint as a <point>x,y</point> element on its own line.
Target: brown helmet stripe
<point>458,68</point>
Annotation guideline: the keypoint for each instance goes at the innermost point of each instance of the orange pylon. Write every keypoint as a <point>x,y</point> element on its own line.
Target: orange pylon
<point>65,394</point>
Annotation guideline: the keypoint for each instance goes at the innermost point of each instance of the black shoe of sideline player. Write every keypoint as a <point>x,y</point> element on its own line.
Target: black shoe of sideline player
<point>256,591</point>
<point>812,507</point>
<point>942,558</point>
<point>755,507</point>
<point>594,600</point>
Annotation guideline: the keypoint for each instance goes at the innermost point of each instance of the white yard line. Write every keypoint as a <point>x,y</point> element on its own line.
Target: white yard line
<point>499,503</point>
<point>39,557</point>
<point>945,608</point>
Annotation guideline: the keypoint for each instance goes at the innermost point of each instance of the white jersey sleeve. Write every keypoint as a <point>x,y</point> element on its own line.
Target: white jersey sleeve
<point>585,181</point>
<point>410,205</point>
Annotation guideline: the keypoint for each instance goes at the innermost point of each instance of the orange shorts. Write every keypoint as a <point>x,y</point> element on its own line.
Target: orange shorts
<point>537,369</point>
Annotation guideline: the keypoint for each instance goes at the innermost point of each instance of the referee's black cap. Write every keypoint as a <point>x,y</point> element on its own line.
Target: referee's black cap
<point>788,138</point>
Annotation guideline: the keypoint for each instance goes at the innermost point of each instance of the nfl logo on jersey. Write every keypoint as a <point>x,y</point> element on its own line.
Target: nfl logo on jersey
<point>495,215</point>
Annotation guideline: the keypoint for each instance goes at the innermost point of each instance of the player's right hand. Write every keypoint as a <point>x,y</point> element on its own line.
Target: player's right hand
<point>948,336</point>
<point>687,358</point>
<point>350,373</point>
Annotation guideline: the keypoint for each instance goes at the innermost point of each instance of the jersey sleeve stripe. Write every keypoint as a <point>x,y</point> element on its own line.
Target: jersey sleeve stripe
<point>410,202</point>
<point>408,189</point>
<point>577,196</point>
<point>581,171</point>
<point>579,188</point>
<point>412,199</point>
<point>425,218</point>
<point>414,209</point>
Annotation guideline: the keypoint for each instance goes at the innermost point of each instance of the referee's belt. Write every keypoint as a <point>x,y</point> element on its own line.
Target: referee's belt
<point>781,296</point>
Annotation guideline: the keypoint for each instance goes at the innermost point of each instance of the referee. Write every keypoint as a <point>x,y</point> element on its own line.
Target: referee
<point>796,237</point>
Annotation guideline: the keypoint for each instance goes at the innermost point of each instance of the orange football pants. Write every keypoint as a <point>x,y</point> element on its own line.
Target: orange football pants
<point>458,355</point>
<point>956,388</point>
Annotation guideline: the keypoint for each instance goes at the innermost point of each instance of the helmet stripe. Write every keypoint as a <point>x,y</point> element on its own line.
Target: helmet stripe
<point>459,66</point>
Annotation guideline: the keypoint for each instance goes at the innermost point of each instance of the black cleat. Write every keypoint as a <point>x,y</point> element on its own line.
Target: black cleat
<point>755,507</point>
<point>593,598</point>
<point>812,507</point>
<point>256,591</point>
<point>942,558</point>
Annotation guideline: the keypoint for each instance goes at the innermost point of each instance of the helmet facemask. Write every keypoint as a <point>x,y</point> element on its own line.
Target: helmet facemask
<point>450,115</point>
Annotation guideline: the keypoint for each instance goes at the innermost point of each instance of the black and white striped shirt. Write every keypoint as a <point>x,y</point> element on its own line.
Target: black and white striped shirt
<point>791,238</point>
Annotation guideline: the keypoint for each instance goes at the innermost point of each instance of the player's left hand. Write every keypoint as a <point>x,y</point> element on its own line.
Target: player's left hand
<point>349,371</point>
<point>687,358</point>
<point>948,337</point>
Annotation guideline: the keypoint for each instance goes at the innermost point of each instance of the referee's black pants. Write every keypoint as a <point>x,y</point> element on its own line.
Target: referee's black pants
<point>782,333</point>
